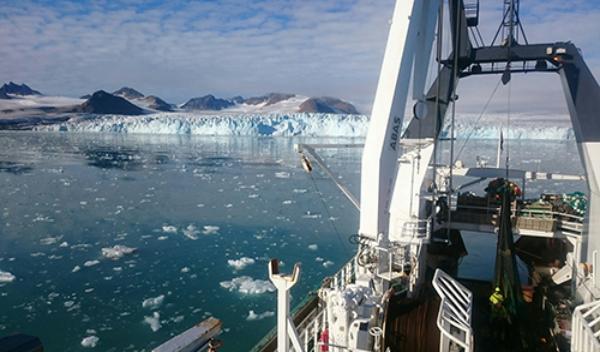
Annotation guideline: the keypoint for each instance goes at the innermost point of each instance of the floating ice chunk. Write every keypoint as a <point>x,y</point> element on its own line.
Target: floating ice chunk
<point>319,259</point>
<point>287,202</point>
<point>253,195</point>
<point>210,230</point>
<point>248,285</point>
<point>117,251</point>
<point>300,190</point>
<point>153,321</point>
<point>169,229</point>
<point>64,244</point>
<point>5,277</point>
<point>185,269</point>
<point>328,263</point>
<point>50,240</point>
<point>239,264</point>
<point>178,319</point>
<point>91,263</point>
<point>309,215</point>
<point>162,238</point>
<point>191,232</point>
<point>313,247</point>
<point>153,302</point>
<point>253,316</point>
<point>89,341</point>
<point>282,174</point>
<point>76,269</point>
<point>68,304</point>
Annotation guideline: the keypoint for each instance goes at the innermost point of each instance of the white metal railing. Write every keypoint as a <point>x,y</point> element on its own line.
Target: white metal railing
<point>311,328</point>
<point>586,328</point>
<point>417,229</point>
<point>345,275</point>
<point>454,317</point>
<point>567,223</point>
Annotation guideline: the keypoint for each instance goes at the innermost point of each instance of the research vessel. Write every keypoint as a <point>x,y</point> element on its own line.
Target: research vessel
<point>401,291</point>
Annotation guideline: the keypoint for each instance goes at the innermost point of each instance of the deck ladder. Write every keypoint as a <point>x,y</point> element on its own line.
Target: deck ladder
<point>454,317</point>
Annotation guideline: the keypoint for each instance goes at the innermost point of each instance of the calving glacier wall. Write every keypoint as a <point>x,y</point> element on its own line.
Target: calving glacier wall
<point>300,124</point>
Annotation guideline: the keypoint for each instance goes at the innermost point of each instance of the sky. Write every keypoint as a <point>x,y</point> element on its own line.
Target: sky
<point>183,49</point>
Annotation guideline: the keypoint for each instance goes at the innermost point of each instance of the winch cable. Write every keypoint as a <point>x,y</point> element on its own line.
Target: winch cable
<point>329,217</point>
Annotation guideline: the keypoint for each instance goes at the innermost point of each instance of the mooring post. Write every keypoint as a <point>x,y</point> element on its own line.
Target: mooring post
<point>283,283</point>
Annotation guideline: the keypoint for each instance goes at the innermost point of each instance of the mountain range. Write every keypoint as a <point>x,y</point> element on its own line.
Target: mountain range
<point>128,101</point>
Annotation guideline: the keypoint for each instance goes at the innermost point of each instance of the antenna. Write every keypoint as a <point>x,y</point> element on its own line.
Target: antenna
<point>510,29</point>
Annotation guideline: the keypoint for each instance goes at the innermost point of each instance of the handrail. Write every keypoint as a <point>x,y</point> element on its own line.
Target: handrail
<point>454,317</point>
<point>585,327</point>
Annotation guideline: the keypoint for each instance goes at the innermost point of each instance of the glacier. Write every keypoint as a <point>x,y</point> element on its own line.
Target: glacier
<point>554,127</point>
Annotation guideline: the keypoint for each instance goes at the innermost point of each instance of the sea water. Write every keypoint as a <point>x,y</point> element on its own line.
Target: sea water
<point>117,242</point>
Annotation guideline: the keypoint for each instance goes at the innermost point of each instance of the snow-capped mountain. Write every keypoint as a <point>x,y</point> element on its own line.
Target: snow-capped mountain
<point>17,89</point>
<point>128,93</point>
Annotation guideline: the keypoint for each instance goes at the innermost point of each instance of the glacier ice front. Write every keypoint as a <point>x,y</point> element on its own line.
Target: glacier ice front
<point>554,127</point>
<point>305,124</point>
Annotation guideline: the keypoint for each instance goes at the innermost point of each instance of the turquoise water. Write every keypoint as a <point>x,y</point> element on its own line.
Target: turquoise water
<point>188,205</point>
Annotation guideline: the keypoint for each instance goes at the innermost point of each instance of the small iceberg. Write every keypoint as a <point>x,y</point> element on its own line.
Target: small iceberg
<point>90,341</point>
<point>153,302</point>
<point>153,321</point>
<point>253,316</point>
<point>6,277</point>
<point>239,264</point>
<point>117,252</point>
<point>247,285</point>
<point>210,230</point>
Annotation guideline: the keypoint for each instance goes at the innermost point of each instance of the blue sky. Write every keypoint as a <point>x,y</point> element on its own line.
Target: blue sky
<point>180,49</point>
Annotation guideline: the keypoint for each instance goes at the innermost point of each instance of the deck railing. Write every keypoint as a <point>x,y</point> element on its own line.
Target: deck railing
<point>454,317</point>
<point>566,223</point>
<point>586,328</point>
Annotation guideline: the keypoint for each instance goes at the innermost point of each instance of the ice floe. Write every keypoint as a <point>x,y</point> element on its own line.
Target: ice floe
<point>210,230</point>
<point>191,232</point>
<point>90,341</point>
<point>282,174</point>
<point>76,269</point>
<point>313,247</point>
<point>91,263</point>
<point>5,277</point>
<point>254,316</point>
<point>169,229</point>
<point>50,240</point>
<point>248,285</point>
<point>153,321</point>
<point>153,302</point>
<point>327,263</point>
<point>239,264</point>
<point>117,251</point>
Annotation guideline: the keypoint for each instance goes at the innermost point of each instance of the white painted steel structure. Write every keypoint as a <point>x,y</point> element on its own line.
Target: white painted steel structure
<point>454,317</point>
<point>586,328</point>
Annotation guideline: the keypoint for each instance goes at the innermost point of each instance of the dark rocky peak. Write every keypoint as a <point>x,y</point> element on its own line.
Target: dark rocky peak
<point>102,102</point>
<point>327,105</point>
<point>207,102</point>
<point>18,89</point>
